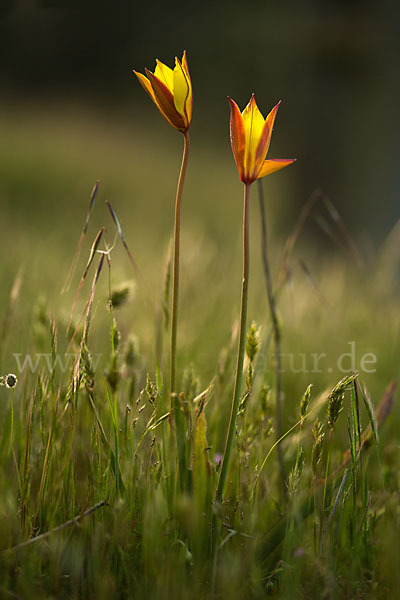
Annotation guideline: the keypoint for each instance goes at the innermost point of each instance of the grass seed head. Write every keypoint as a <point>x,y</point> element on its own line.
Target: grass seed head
<point>152,391</point>
<point>344,383</point>
<point>122,295</point>
<point>252,342</point>
<point>316,454</point>
<point>130,353</point>
<point>250,376</point>
<point>295,473</point>
<point>335,407</point>
<point>86,368</point>
<point>336,398</point>
<point>113,374</point>
<point>265,398</point>
<point>318,429</point>
<point>305,401</point>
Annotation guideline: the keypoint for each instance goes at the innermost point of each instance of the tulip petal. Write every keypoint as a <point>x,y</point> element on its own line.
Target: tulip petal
<point>265,139</point>
<point>253,122</point>
<point>146,85</point>
<point>238,139</point>
<point>181,90</point>
<point>274,164</point>
<point>270,120</point>
<point>165,102</point>
<point>189,101</point>
<point>164,74</point>
<point>185,64</point>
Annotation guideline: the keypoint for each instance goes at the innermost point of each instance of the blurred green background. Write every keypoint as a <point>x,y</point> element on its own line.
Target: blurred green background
<point>333,63</point>
<point>71,113</point>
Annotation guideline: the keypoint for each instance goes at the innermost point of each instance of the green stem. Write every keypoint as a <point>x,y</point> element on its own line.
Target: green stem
<point>178,416</point>
<point>238,380</point>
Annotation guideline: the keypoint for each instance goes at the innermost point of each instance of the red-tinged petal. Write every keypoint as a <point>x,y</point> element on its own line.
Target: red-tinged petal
<point>165,102</point>
<point>265,139</point>
<point>271,120</point>
<point>238,140</point>
<point>146,85</point>
<point>181,91</point>
<point>274,164</point>
<point>185,64</point>
<point>189,101</point>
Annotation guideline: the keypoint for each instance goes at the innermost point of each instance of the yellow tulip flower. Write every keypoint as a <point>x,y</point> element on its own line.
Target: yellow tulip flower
<point>250,139</point>
<point>171,92</point>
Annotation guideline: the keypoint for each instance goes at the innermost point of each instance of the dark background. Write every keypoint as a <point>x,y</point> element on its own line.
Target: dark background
<point>334,64</point>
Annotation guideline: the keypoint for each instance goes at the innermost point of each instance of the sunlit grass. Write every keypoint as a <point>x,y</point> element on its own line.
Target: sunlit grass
<point>62,451</point>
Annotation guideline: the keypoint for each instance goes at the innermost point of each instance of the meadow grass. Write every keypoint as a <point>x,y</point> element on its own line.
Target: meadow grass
<point>90,506</point>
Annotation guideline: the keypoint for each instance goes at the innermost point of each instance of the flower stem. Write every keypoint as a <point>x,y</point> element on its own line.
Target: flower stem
<point>276,332</point>
<point>178,416</point>
<point>238,380</point>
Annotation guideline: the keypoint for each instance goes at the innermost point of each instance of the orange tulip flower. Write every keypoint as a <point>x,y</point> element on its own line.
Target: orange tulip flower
<point>171,92</point>
<point>250,139</point>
